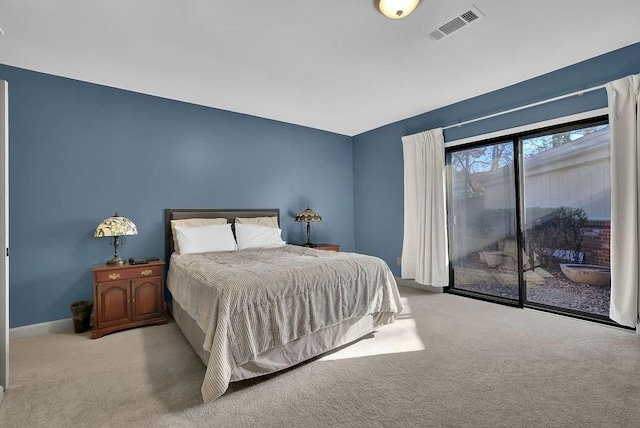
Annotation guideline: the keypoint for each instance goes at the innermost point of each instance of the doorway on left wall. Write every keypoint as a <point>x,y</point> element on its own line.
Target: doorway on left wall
<point>4,237</point>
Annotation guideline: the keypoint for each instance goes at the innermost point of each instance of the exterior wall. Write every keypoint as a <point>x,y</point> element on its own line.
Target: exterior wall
<point>596,243</point>
<point>575,175</point>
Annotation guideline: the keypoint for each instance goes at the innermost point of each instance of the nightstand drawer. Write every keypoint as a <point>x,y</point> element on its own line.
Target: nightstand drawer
<point>131,273</point>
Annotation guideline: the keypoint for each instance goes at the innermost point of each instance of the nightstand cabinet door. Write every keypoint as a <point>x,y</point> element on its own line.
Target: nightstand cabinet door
<point>147,298</point>
<point>112,303</point>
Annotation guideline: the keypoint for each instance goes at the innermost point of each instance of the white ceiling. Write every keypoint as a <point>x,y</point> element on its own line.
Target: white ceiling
<point>336,65</point>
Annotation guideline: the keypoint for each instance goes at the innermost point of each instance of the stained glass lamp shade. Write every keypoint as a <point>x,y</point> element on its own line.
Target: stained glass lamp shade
<point>308,216</point>
<point>115,227</point>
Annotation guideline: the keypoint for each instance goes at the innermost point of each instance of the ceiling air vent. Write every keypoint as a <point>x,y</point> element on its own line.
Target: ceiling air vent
<point>453,25</point>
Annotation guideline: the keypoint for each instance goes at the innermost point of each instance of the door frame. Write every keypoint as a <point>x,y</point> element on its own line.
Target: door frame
<point>516,139</point>
<point>519,301</point>
<point>4,237</point>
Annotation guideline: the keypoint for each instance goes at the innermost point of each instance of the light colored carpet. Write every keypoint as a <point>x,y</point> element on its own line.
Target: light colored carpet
<point>448,362</point>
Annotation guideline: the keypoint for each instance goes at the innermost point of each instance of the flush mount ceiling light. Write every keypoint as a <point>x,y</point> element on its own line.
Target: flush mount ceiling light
<point>396,9</point>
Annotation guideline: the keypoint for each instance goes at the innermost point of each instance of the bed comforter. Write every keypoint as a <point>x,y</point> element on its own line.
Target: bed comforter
<point>251,300</point>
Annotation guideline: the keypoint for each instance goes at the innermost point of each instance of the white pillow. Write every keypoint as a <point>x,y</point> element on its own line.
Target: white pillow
<point>253,236</point>
<point>261,221</point>
<point>201,239</point>
<point>191,222</point>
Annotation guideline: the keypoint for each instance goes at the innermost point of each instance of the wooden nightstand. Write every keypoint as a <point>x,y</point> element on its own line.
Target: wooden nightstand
<point>127,296</point>
<point>327,247</point>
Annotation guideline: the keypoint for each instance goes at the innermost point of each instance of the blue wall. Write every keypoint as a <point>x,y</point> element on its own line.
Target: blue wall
<point>79,152</point>
<point>377,154</point>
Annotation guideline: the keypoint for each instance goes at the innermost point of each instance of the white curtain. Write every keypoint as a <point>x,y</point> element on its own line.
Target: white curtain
<point>623,97</point>
<point>424,248</point>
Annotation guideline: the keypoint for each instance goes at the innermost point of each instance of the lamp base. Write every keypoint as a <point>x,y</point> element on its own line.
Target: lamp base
<point>116,260</point>
<point>310,245</point>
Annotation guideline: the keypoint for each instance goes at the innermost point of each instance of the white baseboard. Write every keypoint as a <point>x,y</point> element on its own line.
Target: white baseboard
<point>58,326</point>
<point>1,393</point>
<point>412,283</point>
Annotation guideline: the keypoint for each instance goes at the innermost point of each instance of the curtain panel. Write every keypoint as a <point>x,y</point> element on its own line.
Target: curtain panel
<point>424,249</point>
<point>623,95</point>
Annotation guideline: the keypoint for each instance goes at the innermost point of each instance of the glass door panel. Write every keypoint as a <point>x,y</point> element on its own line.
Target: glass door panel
<point>482,220</point>
<point>566,188</point>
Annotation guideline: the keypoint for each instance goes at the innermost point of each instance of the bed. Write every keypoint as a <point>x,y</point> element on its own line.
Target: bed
<point>255,311</point>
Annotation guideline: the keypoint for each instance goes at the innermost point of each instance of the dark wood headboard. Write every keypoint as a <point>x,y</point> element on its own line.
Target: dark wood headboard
<point>230,215</point>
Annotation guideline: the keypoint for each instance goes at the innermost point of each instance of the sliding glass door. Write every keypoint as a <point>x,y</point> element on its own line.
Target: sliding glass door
<point>567,210</point>
<point>529,219</point>
<point>482,220</point>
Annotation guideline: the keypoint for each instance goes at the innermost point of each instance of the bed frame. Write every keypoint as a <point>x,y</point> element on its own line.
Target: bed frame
<point>230,215</point>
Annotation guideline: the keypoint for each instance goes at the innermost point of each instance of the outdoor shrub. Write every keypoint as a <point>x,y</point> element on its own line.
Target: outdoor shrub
<point>552,233</point>
<point>495,224</point>
<point>555,232</point>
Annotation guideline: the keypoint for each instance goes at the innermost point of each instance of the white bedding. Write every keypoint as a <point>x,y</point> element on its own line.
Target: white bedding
<point>252,300</point>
